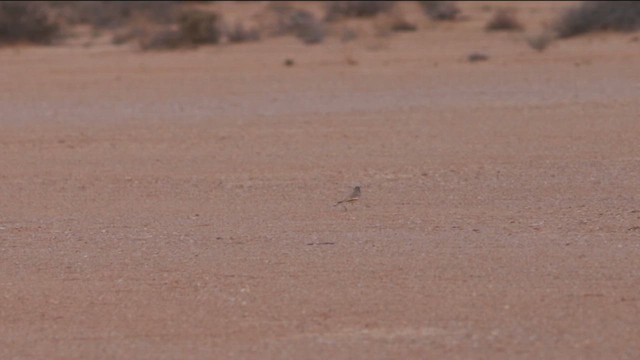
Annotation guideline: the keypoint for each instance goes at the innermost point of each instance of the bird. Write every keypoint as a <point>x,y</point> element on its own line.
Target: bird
<point>355,195</point>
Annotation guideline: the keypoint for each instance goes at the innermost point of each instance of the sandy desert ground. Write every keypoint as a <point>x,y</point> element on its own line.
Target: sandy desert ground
<point>179,205</point>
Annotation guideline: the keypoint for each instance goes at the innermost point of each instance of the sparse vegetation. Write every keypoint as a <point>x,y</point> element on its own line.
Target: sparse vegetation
<point>348,34</point>
<point>541,41</point>
<point>504,20</point>
<point>27,22</point>
<point>349,9</point>
<point>399,24</point>
<point>116,14</point>
<point>388,24</point>
<point>155,24</point>
<point>309,30</point>
<point>182,24</point>
<point>200,27</point>
<point>239,33</point>
<point>287,20</point>
<point>195,27</point>
<point>163,40</point>
<point>440,10</point>
<point>126,35</point>
<point>599,16</point>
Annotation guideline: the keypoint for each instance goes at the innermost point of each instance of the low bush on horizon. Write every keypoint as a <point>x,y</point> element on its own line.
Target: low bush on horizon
<point>27,22</point>
<point>504,20</point>
<point>239,33</point>
<point>402,25</point>
<point>284,19</point>
<point>336,10</point>
<point>103,15</point>
<point>195,27</point>
<point>592,16</point>
<point>540,41</point>
<point>440,10</point>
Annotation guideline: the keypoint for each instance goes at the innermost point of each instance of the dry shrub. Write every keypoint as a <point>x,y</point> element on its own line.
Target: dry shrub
<point>115,14</point>
<point>239,33</point>
<point>152,23</point>
<point>348,9</point>
<point>195,27</point>
<point>399,24</point>
<point>388,24</point>
<point>348,34</point>
<point>200,27</point>
<point>592,16</point>
<point>28,22</point>
<point>282,19</point>
<point>127,35</point>
<point>504,20</point>
<point>164,40</point>
<point>156,24</point>
<point>541,41</point>
<point>440,10</point>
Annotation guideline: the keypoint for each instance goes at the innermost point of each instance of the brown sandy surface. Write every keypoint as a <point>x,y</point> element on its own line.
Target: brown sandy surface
<point>179,205</point>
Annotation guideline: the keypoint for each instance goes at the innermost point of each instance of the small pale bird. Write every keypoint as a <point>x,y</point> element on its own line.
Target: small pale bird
<point>355,195</point>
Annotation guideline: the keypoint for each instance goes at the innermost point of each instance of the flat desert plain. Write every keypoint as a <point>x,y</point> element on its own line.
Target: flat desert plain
<point>179,205</point>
